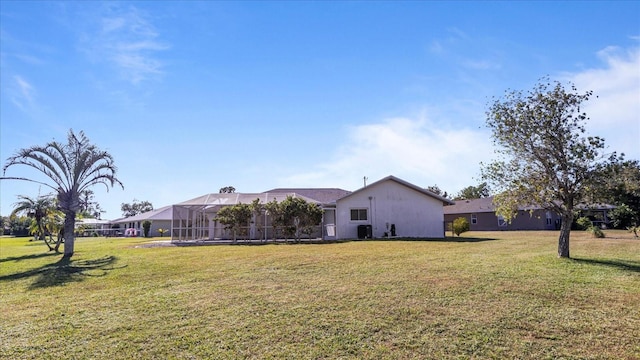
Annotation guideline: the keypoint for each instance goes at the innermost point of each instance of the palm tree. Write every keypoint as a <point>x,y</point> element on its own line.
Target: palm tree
<point>53,225</point>
<point>73,168</point>
<point>36,208</point>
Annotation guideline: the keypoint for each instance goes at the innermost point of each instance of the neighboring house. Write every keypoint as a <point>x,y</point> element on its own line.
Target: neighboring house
<point>481,214</point>
<point>90,226</point>
<point>160,219</point>
<point>390,207</point>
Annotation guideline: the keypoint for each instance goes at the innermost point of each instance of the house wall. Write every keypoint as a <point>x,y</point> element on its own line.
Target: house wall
<point>488,221</point>
<point>413,213</point>
<point>153,230</point>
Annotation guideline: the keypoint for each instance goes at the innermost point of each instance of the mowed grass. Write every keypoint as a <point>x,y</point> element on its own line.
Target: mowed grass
<point>488,295</point>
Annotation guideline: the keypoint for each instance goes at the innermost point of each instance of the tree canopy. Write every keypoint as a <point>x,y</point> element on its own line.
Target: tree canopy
<point>473,192</point>
<point>235,218</point>
<point>620,186</point>
<point>545,157</point>
<point>71,168</point>
<point>436,190</point>
<point>136,207</point>
<point>36,208</point>
<point>227,190</point>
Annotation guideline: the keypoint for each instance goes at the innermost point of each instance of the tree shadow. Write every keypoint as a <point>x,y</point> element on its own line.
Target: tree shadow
<point>28,257</point>
<point>463,239</point>
<point>627,265</point>
<point>65,271</point>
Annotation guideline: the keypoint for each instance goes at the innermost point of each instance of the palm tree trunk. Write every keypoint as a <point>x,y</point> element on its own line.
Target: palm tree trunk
<point>69,232</point>
<point>565,231</point>
<point>49,242</point>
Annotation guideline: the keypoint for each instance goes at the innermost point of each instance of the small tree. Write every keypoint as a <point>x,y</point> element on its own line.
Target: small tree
<point>545,157</point>
<point>162,231</point>
<point>235,218</point>
<point>36,208</point>
<point>146,226</point>
<point>257,210</point>
<point>274,210</point>
<point>460,225</point>
<point>299,216</point>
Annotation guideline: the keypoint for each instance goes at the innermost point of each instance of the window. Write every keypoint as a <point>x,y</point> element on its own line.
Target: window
<point>501,221</point>
<point>474,218</point>
<point>358,214</point>
<point>548,217</point>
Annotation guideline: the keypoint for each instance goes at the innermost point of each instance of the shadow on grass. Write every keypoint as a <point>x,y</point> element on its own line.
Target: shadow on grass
<point>247,242</point>
<point>463,239</point>
<point>64,271</point>
<point>308,241</point>
<point>28,257</point>
<point>626,265</point>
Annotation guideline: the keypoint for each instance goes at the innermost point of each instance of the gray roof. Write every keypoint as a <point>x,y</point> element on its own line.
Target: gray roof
<point>471,206</point>
<point>216,199</point>
<point>321,195</point>
<point>485,205</point>
<point>163,213</point>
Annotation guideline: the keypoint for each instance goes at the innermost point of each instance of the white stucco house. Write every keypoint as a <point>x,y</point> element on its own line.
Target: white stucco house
<point>160,219</point>
<point>390,207</point>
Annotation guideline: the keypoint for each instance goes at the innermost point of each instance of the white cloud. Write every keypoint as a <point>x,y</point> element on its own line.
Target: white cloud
<point>615,113</point>
<point>22,93</point>
<point>127,40</point>
<point>414,149</point>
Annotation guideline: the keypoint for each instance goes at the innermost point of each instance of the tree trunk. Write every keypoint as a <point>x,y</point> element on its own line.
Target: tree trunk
<point>565,231</point>
<point>49,242</point>
<point>69,232</point>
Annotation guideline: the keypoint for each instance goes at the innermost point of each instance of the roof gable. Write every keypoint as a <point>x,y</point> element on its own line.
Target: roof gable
<point>163,213</point>
<point>407,184</point>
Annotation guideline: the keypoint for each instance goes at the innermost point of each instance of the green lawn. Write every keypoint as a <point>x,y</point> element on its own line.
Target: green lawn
<point>489,295</point>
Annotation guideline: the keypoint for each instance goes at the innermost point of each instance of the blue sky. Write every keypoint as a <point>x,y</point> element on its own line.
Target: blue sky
<point>192,96</point>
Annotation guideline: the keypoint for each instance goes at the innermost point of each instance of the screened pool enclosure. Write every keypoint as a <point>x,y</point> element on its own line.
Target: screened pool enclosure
<point>195,219</point>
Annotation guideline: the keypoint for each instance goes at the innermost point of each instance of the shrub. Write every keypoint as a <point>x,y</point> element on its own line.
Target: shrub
<point>460,225</point>
<point>596,232</point>
<point>146,225</point>
<point>584,223</point>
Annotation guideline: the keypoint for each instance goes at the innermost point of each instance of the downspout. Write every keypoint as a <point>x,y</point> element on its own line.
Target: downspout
<point>372,214</point>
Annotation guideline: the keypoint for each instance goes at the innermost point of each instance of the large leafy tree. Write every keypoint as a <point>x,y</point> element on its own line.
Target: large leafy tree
<point>71,168</point>
<point>473,192</point>
<point>620,186</point>
<point>36,208</point>
<point>544,155</point>
<point>135,208</point>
